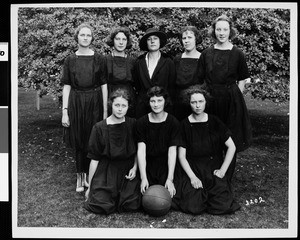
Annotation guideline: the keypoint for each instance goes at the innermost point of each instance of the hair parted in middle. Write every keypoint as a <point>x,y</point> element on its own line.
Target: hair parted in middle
<point>233,31</point>
<point>81,26</point>
<point>114,32</point>
<point>192,29</point>
<point>120,92</point>
<point>158,91</point>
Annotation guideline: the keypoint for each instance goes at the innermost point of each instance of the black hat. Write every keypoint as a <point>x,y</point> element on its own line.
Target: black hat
<point>149,32</point>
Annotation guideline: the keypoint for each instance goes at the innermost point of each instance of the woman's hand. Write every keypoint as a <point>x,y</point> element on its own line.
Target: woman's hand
<point>196,183</point>
<point>87,194</point>
<point>144,185</point>
<point>170,186</point>
<point>219,173</point>
<point>65,119</point>
<point>132,173</point>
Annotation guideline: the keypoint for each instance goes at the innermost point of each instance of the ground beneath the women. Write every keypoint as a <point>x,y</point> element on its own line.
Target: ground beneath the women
<point>47,179</point>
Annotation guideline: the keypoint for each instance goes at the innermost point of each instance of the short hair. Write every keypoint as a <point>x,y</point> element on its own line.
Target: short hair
<point>120,92</point>
<point>193,29</point>
<point>158,91</point>
<point>81,26</point>
<point>114,32</point>
<point>233,31</point>
<point>193,90</point>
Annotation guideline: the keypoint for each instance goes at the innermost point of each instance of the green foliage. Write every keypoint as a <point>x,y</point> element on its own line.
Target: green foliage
<point>46,38</point>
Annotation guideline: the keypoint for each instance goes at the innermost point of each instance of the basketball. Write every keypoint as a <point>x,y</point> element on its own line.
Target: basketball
<point>157,200</point>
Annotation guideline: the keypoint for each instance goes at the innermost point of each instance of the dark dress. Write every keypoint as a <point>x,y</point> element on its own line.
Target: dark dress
<point>120,71</point>
<point>114,147</point>
<point>204,142</point>
<point>187,74</point>
<point>221,70</point>
<point>158,137</point>
<point>85,74</point>
<point>163,76</point>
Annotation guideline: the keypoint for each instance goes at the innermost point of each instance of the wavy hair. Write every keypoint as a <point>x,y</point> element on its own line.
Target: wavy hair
<point>233,31</point>
<point>158,91</point>
<point>81,26</point>
<point>193,29</point>
<point>186,97</point>
<point>114,32</point>
<point>120,92</point>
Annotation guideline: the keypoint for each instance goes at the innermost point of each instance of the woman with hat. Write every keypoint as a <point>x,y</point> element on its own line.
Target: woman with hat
<point>120,65</point>
<point>153,68</point>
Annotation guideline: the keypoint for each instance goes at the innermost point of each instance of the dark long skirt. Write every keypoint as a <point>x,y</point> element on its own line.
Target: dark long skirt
<point>84,110</point>
<point>215,197</point>
<point>229,105</point>
<point>111,192</point>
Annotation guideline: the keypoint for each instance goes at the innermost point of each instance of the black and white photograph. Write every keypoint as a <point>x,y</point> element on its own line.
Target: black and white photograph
<point>154,120</point>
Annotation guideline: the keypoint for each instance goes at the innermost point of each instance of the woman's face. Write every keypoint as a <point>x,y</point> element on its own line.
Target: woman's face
<point>153,43</point>
<point>120,42</point>
<point>197,103</point>
<point>189,40</point>
<point>119,107</point>
<point>85,37</point>
<point>222,31</point>
<point>157,104</point>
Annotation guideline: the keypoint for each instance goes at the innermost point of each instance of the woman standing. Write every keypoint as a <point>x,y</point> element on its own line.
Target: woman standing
<point>154,68</point>
<point>224,70</point>
<point>84,99</point>
<point>158,135</point>
<point>114,186</point>
<point>120,65</point>
<point>186,65</point>
<point>204,185</point>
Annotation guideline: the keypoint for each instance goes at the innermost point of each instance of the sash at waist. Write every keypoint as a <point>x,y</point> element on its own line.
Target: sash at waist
<point>87,89</point>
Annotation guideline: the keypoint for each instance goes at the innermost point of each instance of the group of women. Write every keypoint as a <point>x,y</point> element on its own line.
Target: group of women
<point>177,122</point>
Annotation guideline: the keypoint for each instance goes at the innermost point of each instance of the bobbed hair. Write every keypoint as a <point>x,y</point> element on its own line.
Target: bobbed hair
<point>193,29</point>
<point>81,26</point>
<point>120,92</point>
<point>233,31</point>
<point>158,91</point>
<point>114,32</point>
<point>193,90</point>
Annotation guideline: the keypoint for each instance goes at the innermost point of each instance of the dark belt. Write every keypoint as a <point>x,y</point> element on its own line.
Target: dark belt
<point>87,90</point>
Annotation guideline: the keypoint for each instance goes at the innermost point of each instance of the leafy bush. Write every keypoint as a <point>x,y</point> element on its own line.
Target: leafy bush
<point>46,38</point>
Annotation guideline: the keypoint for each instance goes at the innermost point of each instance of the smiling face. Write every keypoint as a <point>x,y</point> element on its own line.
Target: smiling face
<point>119,107</point>
<point>222,31</point>
<point>120,42</point>
<point>198,103</point>
<point>157,104</point>
<point>153,43</point>
<point>85,37</point>
<point>189,40</point>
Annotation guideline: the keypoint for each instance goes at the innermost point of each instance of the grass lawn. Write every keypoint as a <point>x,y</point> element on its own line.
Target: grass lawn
<point>47,178</point>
